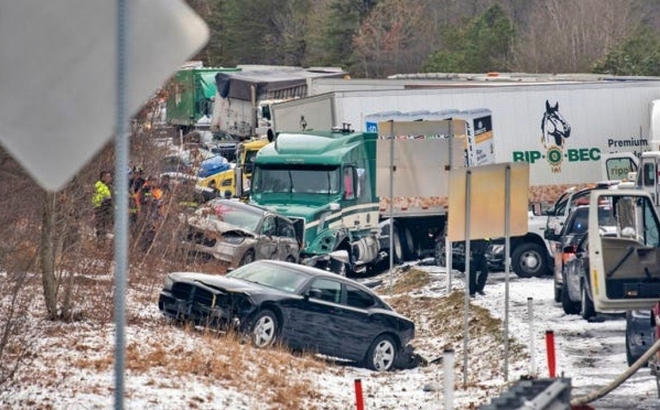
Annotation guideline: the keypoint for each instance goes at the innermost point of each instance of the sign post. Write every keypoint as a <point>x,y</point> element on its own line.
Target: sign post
<point>499,189</point>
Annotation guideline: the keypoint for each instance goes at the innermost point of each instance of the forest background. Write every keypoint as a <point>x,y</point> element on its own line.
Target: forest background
<point>378,38</point>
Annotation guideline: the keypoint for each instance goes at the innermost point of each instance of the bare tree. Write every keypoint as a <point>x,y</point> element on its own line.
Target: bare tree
<point>568,36</point>
<point>394,38</point>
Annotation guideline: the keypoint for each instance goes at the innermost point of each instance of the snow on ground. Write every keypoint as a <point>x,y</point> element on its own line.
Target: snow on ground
<point>170,367</point>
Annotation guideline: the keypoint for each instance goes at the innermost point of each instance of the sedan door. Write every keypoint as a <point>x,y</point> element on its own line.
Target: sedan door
<point>314,319</point>
<point>266,246</point>
<point>356,326</point>
<point>287,244</point>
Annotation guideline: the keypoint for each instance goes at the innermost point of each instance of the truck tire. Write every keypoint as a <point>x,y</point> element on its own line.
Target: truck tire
<point>587,310</point>
<point>408,244</point>
<point>570,307</point>
<point>528,260</point>
<point>397,245</point>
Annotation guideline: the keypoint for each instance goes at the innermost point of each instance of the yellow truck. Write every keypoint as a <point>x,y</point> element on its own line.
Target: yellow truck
<point>225,181</point>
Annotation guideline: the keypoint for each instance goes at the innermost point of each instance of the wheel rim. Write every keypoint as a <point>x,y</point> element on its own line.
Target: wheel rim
<point>264,331</point>
<point>383,356</point>
<point>530,261</point>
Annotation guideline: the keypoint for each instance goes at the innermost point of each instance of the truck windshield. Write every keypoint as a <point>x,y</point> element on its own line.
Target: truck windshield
<point>302,179</point>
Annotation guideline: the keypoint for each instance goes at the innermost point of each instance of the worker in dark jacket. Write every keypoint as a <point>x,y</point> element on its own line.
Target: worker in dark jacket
<point>102,201</point>
<point>478,266</point>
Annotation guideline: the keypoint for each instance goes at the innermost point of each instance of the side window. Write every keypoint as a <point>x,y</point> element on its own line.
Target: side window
<point>651,231</point>
<point>358,298</point>
<point>285,229</point>
<point>349,183</point>
<point>560,206</point>
<point>649,174</point>
<point>330,289</point>
<point>269,227</point>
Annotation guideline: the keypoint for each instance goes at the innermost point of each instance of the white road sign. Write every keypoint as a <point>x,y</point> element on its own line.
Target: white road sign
<point>58,74</point>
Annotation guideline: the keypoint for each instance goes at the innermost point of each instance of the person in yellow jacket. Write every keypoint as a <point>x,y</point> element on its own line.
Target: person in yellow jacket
<point>102,201</point>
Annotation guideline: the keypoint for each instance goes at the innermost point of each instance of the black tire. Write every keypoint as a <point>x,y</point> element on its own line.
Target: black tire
<point>408,244</point>
<point>440,255</point>
<point>587,310</point>
<point>529,260</point>
<point>629,357</point>
<point>397,245</point>
<point>382,354</point>
<point>558,292</point>
<point>247,258</point>
<point>264,331</point>
<point>570,307</point>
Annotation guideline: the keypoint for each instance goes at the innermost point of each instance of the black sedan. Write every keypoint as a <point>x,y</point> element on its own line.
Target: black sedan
<point>305,308</point>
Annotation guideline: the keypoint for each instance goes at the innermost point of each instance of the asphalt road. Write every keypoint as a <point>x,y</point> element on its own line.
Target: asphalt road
<point>593,352</point>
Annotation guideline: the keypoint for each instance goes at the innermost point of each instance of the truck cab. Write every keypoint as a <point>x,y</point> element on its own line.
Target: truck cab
<point>325,182</point>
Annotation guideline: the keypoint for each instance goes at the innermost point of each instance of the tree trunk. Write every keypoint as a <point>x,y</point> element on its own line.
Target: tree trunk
<point>48,279</point>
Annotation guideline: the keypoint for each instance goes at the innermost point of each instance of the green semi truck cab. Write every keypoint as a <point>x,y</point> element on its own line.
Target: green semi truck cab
<point>325,182</point>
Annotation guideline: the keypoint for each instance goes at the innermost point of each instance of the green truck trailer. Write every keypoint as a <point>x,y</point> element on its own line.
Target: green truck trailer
<point>191,95</point>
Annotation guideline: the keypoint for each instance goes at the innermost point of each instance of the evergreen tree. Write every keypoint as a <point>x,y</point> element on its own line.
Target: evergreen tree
<point>483,45</point>
<point>639,54</point>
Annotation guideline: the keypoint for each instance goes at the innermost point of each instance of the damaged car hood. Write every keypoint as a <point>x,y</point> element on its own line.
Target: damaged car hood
<point>216,225</point>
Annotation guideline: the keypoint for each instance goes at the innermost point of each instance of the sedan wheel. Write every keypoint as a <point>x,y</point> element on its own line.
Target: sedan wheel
<point>264,329</point>
<point>570,307</point>
<point>586,305</point>
<point>247,258</point>
<point>381,354</point>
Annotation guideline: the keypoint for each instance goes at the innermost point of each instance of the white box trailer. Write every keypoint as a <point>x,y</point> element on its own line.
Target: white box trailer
<point>560,129</point>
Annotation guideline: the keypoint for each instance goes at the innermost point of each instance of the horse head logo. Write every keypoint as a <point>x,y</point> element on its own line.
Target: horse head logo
<point>554,127</point>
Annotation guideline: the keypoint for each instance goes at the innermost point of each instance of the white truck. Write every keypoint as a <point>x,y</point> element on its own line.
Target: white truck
<point>561,128</point>
<point>243,97</point>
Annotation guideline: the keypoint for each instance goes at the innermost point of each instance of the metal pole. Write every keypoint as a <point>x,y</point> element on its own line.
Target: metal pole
<point>448,246</point>
<point>121,197</point>
<point>448,365</point>
<point>507,242</point>
<point>391,204</point>
<point>532,350</point>
<point>468,187</point>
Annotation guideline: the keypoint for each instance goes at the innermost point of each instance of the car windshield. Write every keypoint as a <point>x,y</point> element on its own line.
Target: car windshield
<point>228,212</point>
<point>317,180</point>
<point>272,276</point>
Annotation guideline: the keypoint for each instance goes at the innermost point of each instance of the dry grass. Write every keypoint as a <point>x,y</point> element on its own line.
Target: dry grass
<point>413,279</point>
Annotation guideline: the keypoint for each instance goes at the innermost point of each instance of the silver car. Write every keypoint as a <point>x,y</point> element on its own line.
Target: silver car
<point>237,233</point>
